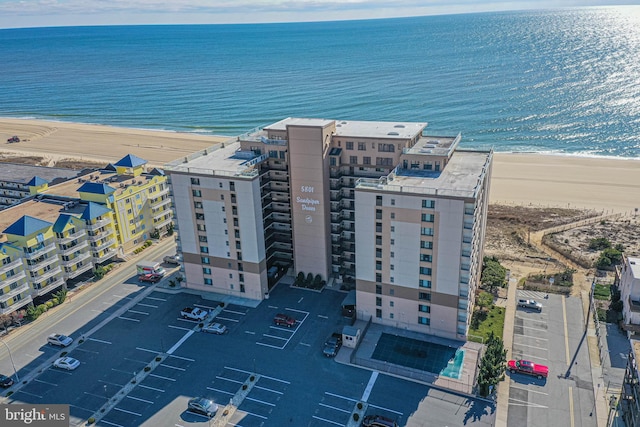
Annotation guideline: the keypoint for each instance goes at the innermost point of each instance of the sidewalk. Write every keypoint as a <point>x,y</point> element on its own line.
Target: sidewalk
<point>507,339</point>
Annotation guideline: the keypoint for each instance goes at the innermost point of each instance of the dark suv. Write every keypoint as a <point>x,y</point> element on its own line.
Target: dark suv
<point>284,320</point>
<point>378,421</point>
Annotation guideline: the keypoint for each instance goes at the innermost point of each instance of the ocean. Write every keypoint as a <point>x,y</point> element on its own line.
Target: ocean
<point>551,81</point>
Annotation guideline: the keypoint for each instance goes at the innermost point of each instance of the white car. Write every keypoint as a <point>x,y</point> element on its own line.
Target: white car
<point>60,340</point>
<point>215,328</point>
<point>68,363</point>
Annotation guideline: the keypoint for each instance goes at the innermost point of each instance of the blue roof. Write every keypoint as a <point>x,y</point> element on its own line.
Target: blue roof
<point>61,223</point>
<point>95,188</point>
<point>130,161</point>
<point>37,181</point>
<point>26,226</point>
<point>93,210</point>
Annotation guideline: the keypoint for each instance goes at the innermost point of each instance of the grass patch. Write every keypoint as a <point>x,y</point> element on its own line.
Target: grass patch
<point>485,322</point>
<point>602,292</point>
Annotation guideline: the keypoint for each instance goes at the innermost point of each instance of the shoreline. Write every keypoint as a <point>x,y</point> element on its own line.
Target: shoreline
<point>521,178</point>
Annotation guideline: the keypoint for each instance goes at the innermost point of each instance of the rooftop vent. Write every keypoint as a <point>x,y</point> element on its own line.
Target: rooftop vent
<point>399,126</point>
<point>393,133</point>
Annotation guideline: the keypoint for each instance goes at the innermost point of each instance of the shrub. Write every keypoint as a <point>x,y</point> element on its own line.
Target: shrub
<point>147,368</point>
<point>599,244</point>
<point>300,278</point>
<point>317,280</point>
<point>608,258</point>
<point>42,308</point>
<point>55,301</point>
<point>49,304</point>
<point>309,279</point>
<point>91,420</point>
<point>359,405</point>
<point>356,417</point>
<point>99,272</point>
<point>244,386</point>
<point>158,358</point>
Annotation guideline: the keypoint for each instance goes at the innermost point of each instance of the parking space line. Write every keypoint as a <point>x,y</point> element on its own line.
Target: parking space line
<point>328,421</point>
<point>385,409</point>
<point>220,391</point>
<point>137,361</point>
<point>367,390</point>
<point>305,344</point>
<point>528,356</point>
<point>334,408</point>
<point>172,367</point>
<point>299,311</point>
<point>527,404</point>
<point>30,394</point>
<point>254,415</point>
<point>147,305</point>
<point>110,383</point>
<point>156,299</point>
<point>147,350</point>
<point>45,382</point>
<point>230,380</point>
<point>250,332</point>
<point>273,336</point>
<point>186,320</point>
<point>341,397</point>
<point>141,400</point>
<point>60,370</point>
<point>531,336</point>
<point>322,316</point>
<point>268,389</point>
<point>161,377</point>
<point>128,318</point>
<point>272,306</point>
<point>86,351</point>
<point>97,340</point>
<point>235,312</point>
<point>531,327</point>
<point>95,395</point>
<point>209,308</point>
<point>275,379</point>
<point>269,345</point>
<point>527,390</point>
<point>110,423</point>
<point>237,370</point>
<point>227,319</point>
<point>91,411</point>
<point>138,312</point>
<point>260,401</point>
<point>127,412</point>
<point>530,346</point>
<point>182,358</point>
<point>151,388</point>
<point>179,327</point>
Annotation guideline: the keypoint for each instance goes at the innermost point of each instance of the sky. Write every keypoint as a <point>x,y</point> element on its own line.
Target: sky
<point>50,13</point>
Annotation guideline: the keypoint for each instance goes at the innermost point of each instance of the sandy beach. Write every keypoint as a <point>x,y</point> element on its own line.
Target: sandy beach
<point>522,179</point>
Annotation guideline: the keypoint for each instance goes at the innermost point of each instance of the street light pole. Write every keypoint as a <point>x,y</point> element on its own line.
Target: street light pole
<point>11,358</point>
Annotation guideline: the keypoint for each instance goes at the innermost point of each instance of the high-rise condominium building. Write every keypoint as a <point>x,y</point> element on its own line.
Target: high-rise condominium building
<point>376,206</point>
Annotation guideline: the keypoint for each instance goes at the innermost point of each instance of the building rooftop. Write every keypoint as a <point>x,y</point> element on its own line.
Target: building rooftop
<point>461,177</point>
<point>434,145</point>
<point>20,173</point>
<point>97,182</point>
<point>357,129</point>
<point>46,211</point>
<point>225,159</point>
<point>634,265</point>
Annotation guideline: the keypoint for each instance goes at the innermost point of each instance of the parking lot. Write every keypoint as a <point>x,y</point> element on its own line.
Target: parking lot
<point>554,337</point>
<point>291,381</point>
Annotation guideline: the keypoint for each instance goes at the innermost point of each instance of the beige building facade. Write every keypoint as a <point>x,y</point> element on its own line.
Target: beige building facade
<point>374,206</point>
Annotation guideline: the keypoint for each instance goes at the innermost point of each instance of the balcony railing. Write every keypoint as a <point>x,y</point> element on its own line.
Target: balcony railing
<point>10,266</point>
<point>98,224</point>
<point>103,245</point>
<point>161,202</point>
<point>13,279</point>
<point>105,256</point>
<point>73,249</point>
<point>13,292</point>
<point>73,236</point>
<point>40,251</point>
<point>47,275</point>
<point>42,263</point>
<point>76,260</point>
<point>164,222</point>
<point>16,305</point>
<point>85,267</point>
<point>50,286</point>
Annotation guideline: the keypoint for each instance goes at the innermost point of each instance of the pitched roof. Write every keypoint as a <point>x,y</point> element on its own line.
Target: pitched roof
<point>156,172</point>
<point>37,181</point>
<point>95,188</point>
<point>110,167</point>
<point>130,161</point>
<point>26,226</point>
<point>93,210</point>
<point>61,223</point>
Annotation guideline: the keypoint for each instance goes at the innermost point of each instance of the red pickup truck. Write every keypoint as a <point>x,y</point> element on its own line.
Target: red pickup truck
<point>151,277</point>
<point>529,368</point>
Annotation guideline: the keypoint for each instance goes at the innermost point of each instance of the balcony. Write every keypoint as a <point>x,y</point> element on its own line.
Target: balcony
<point>164,222</point>
<point>83,268</point>
<point>43,289</point>
<point>161,202</point>
<point>16,305</point>
<point>103,245</point>
<point>71,237</point>
<point>74,248</point>
<point>13,292</point>
<point>94,237</point>
<point>634,305</point>
<point>160,213</point>
<point>107,255</point>
<point>41,263</point>
<point>36,252</point>
<point>98,224</point>
<point>47,275</point>
<point>13,279</point>
<point>76,260</point>
<point>10,266</point>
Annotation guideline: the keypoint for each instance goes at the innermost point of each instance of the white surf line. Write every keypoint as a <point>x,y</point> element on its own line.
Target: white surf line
<point>141,400</point>
<point>335,408</point>
<point>147,305</point>
<point>179,327</point>
<point>138,312</point>
<point>367,390</point>
<point>97,340</point>
<point>128,318</point>
<point>155,299</point>
<point>324,420</point>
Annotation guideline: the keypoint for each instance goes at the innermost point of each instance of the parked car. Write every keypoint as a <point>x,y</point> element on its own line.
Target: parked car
<point>201,405</point>
<point>194,313</point>
<point>14,138</point>
<point>215,328</point>
<point>529,368</point>
<point>172,259</point>
<point>332,345</point>
<point>151,277</point>
<point>68,363</point>
<point>378,421</point>
<point>5,381</point>
<point>284,320</point>
<point>529,303</point>
<point>59,340</point>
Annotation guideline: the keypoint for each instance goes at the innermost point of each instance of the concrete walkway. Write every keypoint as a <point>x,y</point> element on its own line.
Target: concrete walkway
<point>507,338</point>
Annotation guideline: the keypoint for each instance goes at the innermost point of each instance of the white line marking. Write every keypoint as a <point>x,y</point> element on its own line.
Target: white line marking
<point>530,391</point>
<point>385,409</point>
<point>161,377</point>
<point>103,421</point>
<point>138,312</point>
<point>45,382</point>
<point>141,400</point>
<point>227,319</point>
<point>150,388</point>
<point>237,370</point>
<point>530,405</point>
<point>147,350</point>
<point>86,351</point>
<point>275,379</point>
<point>98,311</point>
<point>273,336</point>
<point>272,306</point>
<point>367,390</point>
<point>156,299</point>
<point>300,300</point>
<point>179,327</point>
<point>137,361</point>
<point>253,415</point>
<point>268,389</point>
<point>187,320</point>
<point>297,311</point>
<point>209,308</point>
<point>128,318</point>
<point>249,332</point>
<point>229,379</point>
<point>172,367</point>
<point>107,382</point>
<point>30,394</point>
<point>531,336</point>
<point>328,421</point>
<point>182,358</point>
<point>528,356</point>
<point>220,391</point>
<point>235,312</point>
<point>121,370</point>
<point>95,395</point>
<point>269,345</point>
<point>259,401</point>
<point>530,346</point>
<point>97,340</point>
<point>334,408</point>
<point>305,344</point>
<point>322,316</point>
<point>341,397</point>
<point>147,305</point>
<point>127,412</point>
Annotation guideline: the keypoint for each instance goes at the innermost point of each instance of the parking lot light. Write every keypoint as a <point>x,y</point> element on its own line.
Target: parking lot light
<point>11,358</point>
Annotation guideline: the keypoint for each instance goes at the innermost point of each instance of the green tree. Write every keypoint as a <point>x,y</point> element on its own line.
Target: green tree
<point>599,244</point>
<point>99,272</point>
<point>61,295</point>
<point>300,278</point>
<point>484,300</point>
<point>608,258</point>
<point>493,273</point>
<point>492,365</point>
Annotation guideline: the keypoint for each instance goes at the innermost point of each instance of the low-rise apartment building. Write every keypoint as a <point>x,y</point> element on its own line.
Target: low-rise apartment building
<point>376,206</point>
<point>629,286</point>
<point>19,181</point>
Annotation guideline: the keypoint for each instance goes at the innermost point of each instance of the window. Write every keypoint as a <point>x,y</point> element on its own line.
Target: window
<point>241,277</point>
<point>424,296</point>
<point>202,239</point>
<point>366,160</point>
<point>392,241</point>
<point>424,308</point>
<point>393,228</point>
<point>425,271</point>
<point>378,200</point>
<point>378,301</point>
<point>206,270</point>
<point>208,282</point>
<point>196,193</point>
<point>378,213</point>
<point>427,166</point>
<point>353,160</point>
<point>392,254</point>
<point>205,260</point>
<point>197,205</point>
<point>426,231</point>
<point>428,204</point>
<point>426,258</point>
<point>222,197</point>
<point>204,249</point>
<point>332,161</point>
<point>362,146</point>
<point>349,145</point>
<point>425,283</point>
<point>378,279</point>
<point>378,265</point>
<point>195,181</point>
<point>390,303</point>
<point>391,279</point>
<point>129,211</point>
<point>390,315</point>
<point>273,154</point>
<point>378,253</point>
<point>230,275</point>
<point>384,161</point>
<point>389,148</point>
<point>424,320</point>
<point>428,217</point>
<point>242,287</point>
<point>201,227</point>
<point>200,216</point>
<point>393,215</point>
<point>378,240</point>
<point>378,227</point>
<point>378,313</point>
<point>426,245</point>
